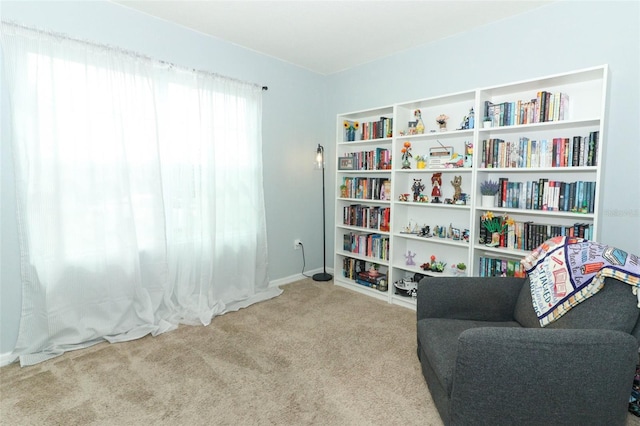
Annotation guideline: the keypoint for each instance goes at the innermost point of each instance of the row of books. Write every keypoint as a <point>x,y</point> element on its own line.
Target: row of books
<point>382,128</point>
<point>369,245</point>
<point>545,194</point>
<point>528,235</point>
<point>577,151</point>
<point>378,159</point>
<point>494,267</point>
<point>364,188</point>
<point>546,106</point>
<point>371,217</point>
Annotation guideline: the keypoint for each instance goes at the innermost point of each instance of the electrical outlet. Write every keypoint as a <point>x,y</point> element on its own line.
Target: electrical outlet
<point>297,244</point>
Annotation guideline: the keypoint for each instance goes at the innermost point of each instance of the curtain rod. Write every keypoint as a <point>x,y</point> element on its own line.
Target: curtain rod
<point>123,51</point>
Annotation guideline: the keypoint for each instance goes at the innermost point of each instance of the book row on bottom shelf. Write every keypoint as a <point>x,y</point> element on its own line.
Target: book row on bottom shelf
<point>500,267</point>
<point>365,273</point>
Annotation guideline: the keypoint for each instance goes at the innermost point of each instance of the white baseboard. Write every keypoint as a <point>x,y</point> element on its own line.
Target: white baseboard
<point>297,277</point>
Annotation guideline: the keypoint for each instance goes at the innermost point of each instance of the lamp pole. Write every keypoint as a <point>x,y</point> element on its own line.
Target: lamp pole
<point>322,276</point>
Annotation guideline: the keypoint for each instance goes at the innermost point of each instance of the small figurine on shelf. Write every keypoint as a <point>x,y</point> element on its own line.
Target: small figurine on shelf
<point>425,232</point>
<point>468,154</point>
<point>406,154</point>
<point>417,188</point>
<point>468,121</point>
<point>457,183</point>
<point>409,258</point>
<point>421,161</point>
<point>442,122</point>
<point>436,183</point>
<point>420,124</point>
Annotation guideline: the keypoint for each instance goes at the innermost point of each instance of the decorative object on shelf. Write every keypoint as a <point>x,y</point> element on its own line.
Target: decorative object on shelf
<point>489,189</point>
<point>412,128</point>
<point>468,155</point>
<point>439,156</point>
<point>486,123</point>
<point>442,122</point>
<point>415,229</point>
<point>436,183</point>
<point>421,161</point>
<point>456,234</point>
<point>459,269</point>
<point>322,276</point>
<point>406,287</point>
<point>385,190</point>
<point>465,235</point>
<point>420,124</point>
<point>425,232</point>
<point>350,128</point>
<point>403,197</point>
<point>406,154</point>
<point>343,191</point>
<point>457,184</point>
<point>468,121</point>
<point>346,163</point>
<point>496,226</point>
<point>423,198</point>
<point>455,162</point>
<point>373,270</point>
<point>433,266</point>
<point>409,258</point>
<point>417,188</point>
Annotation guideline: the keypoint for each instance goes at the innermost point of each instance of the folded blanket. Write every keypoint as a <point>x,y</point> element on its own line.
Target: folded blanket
<point>565,271</point>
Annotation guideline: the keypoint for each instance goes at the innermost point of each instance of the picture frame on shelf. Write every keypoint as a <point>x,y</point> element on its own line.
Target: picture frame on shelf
<point>346,163</point>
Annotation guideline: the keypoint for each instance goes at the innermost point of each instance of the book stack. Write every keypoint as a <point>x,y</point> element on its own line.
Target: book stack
<point>373,281</point>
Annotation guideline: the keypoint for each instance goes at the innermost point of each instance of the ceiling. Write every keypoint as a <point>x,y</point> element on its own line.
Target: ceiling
<point>331,36</point>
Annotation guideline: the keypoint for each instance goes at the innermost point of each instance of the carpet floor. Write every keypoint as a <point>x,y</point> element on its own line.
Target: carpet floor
<point>317,354</point>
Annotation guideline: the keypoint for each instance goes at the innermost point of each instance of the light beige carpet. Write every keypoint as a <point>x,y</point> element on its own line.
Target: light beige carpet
<point>317,354</point>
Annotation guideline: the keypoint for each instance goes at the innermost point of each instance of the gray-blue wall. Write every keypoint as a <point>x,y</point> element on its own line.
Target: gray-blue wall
<point>300,106</point>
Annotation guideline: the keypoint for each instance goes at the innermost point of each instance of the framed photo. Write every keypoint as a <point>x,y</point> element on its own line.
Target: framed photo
<point>346,163</point>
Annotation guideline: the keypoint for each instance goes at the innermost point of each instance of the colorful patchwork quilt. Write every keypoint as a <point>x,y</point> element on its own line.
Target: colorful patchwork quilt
<point>565,271</point>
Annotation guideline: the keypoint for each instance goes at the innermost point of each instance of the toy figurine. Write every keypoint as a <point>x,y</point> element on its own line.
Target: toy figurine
<point>436,183</point>
<point>420,124</point>
<point>417,188</point>
<point>442,122</point>
<point>409,258</point>
<point>457,183</point>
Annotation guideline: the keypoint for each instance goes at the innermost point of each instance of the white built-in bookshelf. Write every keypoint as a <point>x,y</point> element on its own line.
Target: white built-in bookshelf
<point>544,146</point>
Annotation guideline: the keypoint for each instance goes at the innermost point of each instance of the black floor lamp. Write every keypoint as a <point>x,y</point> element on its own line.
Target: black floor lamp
<point>322,276</point>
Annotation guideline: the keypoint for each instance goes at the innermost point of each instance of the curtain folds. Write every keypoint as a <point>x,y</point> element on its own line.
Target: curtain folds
<point>139,193</point>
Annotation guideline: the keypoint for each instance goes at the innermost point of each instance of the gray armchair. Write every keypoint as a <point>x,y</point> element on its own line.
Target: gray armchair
<point>486,360</point>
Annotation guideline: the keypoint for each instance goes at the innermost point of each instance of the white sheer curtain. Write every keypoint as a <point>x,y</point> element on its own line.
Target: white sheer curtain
<point>139,193</point>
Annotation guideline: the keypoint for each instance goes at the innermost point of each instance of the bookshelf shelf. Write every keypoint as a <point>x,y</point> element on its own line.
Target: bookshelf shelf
<point>553,132</point>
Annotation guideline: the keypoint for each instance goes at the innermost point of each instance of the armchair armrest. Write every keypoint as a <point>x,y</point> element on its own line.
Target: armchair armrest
<point>571,376</point>
<point>469,298</point>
